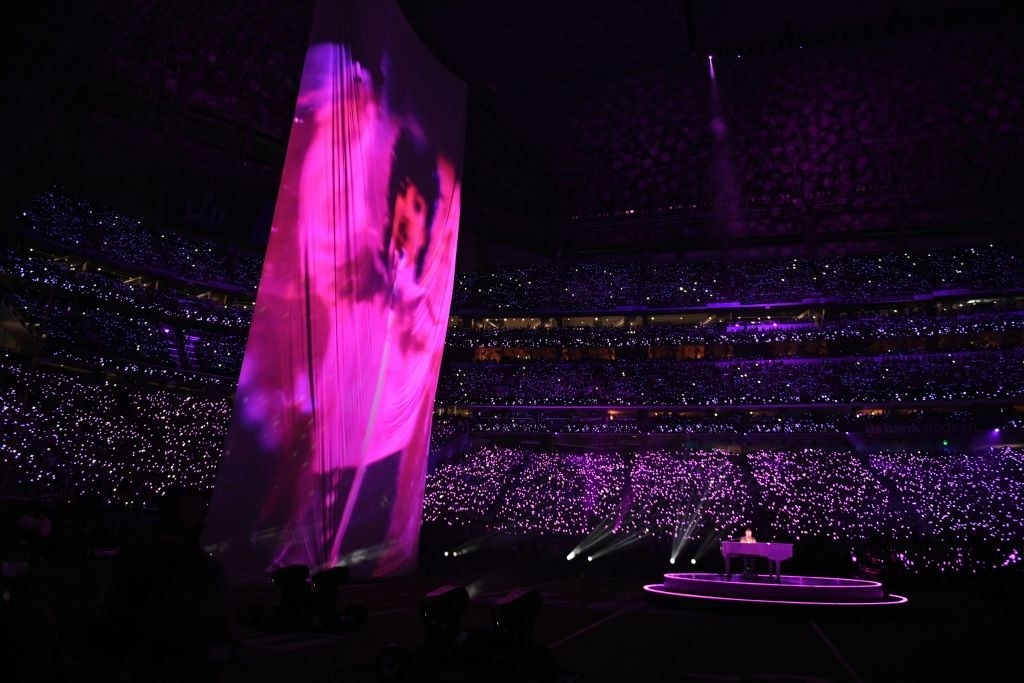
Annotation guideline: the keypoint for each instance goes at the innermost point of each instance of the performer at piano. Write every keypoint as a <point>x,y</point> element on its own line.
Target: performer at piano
<point>748,562</point>
<point>749,548</point>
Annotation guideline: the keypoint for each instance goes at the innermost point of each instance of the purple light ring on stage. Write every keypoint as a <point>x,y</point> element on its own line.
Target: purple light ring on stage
<point>657,588</point>
<point>806,581</point>
<point>818,589</point>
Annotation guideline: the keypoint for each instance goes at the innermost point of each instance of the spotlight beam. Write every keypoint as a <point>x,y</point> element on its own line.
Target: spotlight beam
<point>706,544</point>
<point>602,531</point>
<point>624,542</point>
<point>683,535</point>
<point>682,538</point>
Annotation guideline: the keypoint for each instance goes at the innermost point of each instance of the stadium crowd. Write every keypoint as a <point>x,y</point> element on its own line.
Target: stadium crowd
<point>122,392</point>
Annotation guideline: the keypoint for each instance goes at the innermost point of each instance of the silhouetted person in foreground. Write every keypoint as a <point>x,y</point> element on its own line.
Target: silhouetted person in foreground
<point>32,645</point>
<point>168,602</point>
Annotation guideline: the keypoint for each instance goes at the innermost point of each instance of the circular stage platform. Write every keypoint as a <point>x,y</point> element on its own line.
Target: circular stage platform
<point>811,591</point>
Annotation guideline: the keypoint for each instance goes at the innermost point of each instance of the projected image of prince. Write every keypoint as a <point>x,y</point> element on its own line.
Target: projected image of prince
<point>413,191</point>
<point>390,468</point>
<point>331,433</point>
<point>367,317</point>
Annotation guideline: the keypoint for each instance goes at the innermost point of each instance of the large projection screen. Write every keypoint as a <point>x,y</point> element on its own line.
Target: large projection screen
<point>326,454</point>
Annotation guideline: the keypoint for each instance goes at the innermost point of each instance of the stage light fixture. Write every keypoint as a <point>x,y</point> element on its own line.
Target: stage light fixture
<point>329,580</point>
<point>514,615</point>
<point>293,583</point>
<point>326,584</point>
<point>441,611</point>
<point>323,608</point>
<point>291,579</point>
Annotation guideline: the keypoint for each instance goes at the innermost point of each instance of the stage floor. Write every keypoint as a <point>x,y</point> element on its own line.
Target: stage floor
<point>599,627</point>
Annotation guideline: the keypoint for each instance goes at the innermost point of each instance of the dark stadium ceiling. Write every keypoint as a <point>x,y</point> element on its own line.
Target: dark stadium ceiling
<point>114,93</point>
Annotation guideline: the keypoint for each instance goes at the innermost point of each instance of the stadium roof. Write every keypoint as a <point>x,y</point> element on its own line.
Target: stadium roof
<point>877,119</point>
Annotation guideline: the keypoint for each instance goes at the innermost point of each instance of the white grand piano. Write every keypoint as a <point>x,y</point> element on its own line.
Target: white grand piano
<point>773,552</point>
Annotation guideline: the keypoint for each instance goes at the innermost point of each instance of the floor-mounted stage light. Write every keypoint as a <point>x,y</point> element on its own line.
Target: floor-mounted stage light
<point>328,581</point>
<point>293,583</point>
<point>441,611</point>
<point>514,615</point>
<point>323,600</point>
